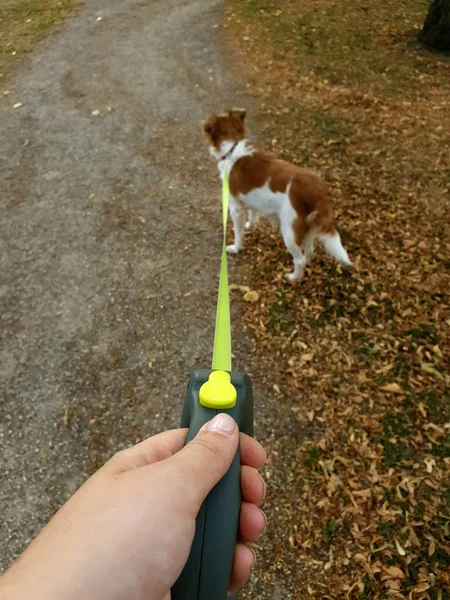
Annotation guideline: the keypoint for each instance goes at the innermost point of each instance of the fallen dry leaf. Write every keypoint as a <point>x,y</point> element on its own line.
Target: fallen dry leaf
<point>395,572</point>
<point>392,388</point>
<point>421,587</point>
<point>251,296</point>
<point>241,288</point>
<point>400,548</point>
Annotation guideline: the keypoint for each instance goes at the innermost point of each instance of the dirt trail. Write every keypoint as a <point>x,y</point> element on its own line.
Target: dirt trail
<point>110,242</point>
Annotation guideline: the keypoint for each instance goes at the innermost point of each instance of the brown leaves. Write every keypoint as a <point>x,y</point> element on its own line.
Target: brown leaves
<point>420,587</point>
<point>392,572</point>
<point>241,288</point>
<point>248,295</point>
<point>393,388</point>
<point>366,351</point>
<point>333,484</point>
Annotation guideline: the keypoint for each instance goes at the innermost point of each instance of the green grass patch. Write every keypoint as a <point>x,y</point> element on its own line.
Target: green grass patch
<point>332,127</point>
<point>399,426</point>
<point>387,530</point>
<point>250,6</point>
<point>364,46</point>
<point>25,22</point>
<point>312,457</point>
<point>438,406</point>
<point>396,431</point>
<point>368,589</point>
<point>366,353</point>
<point>329,530</point>
<point>282,315</point>
<point>423,333</point>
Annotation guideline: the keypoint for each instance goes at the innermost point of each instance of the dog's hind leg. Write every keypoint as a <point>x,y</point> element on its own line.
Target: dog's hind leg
<point>299,260</point>
<point>309,247</point>
<point>253,218</point>
<point>289,237</point>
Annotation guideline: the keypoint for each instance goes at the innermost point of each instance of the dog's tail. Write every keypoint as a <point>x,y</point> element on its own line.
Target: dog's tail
<point>332,244</point>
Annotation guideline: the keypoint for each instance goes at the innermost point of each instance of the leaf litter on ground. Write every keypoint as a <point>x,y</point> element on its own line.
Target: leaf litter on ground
<point>362,355</point>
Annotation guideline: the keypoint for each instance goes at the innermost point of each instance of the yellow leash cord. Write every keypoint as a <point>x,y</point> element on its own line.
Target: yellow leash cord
<point>222,336</point>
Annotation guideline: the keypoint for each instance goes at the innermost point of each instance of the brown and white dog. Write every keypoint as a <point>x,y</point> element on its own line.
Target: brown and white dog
<point>263,185</point>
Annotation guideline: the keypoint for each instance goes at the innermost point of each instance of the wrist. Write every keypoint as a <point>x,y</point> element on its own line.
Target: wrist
<point>16,585</point>
<point>9,589</point>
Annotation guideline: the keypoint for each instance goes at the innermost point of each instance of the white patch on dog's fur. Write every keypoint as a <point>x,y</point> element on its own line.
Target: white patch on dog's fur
<point>269,204</point>
<point>266,202</point>
<point>310,218</point>
<point>243,148</point>
<point>334,247</point>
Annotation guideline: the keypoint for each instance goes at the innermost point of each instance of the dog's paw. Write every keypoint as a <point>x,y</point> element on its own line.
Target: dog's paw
<point>249,225</point>
<point>233,249</point>
<point>293,277</point>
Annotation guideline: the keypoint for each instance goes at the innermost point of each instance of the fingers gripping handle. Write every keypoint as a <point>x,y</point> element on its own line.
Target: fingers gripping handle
<point>207,572</point>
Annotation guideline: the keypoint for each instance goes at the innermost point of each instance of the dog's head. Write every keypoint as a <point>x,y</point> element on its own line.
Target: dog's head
<point>226,127</point>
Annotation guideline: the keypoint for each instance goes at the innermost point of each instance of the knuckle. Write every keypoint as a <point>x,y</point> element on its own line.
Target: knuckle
<point>208,447</point>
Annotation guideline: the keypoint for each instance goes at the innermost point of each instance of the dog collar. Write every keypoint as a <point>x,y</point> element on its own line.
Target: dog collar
<point>230,152</point>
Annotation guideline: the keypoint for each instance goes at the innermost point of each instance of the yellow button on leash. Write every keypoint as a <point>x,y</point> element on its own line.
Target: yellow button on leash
<point>218,392</point>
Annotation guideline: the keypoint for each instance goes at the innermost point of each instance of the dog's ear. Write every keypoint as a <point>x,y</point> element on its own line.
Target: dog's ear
<point>210,124</point>
<point>239,113</point>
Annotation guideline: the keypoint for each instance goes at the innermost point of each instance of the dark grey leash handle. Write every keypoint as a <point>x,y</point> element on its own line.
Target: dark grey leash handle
<point>207,572</point>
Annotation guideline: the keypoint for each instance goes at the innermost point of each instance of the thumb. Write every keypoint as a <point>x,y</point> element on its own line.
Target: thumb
<point>205,460</point>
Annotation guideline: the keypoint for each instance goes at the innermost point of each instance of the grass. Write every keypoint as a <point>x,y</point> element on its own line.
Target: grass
<point>329,530</point>
<point>25,22</point>
<point>439,407</point>
<point>362,46</point>
<point>362,355</point>
<point>423,333</point>
<point>396,430</point>
<point>311,458</point>
<point>332,127</point>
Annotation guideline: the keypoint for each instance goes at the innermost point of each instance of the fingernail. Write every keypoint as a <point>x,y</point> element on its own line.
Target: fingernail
<point>265,459</point>
<point>265,487</point>
<point>223,424</point>
<point>265,523</point>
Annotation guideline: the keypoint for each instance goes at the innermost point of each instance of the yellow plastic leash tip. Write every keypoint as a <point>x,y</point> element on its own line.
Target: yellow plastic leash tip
<point>218,392</point>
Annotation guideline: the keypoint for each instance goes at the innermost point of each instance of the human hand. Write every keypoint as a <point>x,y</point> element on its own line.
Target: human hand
<point>126,533</point>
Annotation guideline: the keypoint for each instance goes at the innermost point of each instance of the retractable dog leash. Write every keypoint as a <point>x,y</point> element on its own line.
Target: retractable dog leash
<point>207,572</point>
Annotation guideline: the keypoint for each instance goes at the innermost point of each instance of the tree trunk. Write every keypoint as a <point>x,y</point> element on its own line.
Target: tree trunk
<point>436,29</point>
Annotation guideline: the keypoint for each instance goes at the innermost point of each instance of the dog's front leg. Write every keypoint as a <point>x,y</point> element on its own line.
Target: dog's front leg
<point>238,217</point>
